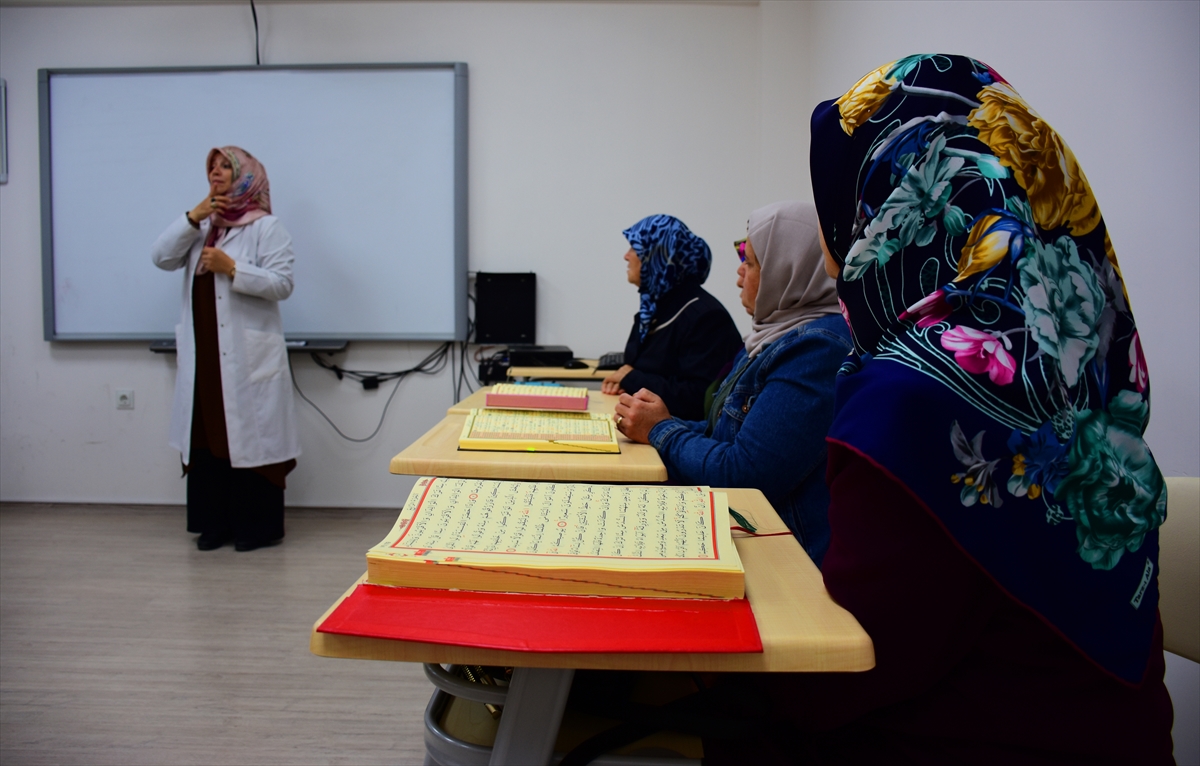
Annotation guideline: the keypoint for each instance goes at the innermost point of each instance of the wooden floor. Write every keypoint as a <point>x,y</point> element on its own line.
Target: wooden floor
<point>121,643</point>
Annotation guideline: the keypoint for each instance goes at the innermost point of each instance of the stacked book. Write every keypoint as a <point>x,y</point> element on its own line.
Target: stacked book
<point>532,431</point>
<point>558,538</point>
<point>520,396</point>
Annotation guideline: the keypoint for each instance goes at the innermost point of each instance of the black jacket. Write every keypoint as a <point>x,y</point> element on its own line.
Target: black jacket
<point>691,338</point>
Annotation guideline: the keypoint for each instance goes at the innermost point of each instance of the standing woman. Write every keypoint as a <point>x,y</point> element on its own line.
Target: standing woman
<point>681,336</point>
<point>767,425</point>
<point>233,418</point>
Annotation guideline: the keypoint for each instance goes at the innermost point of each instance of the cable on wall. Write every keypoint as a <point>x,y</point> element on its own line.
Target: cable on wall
<point>465,374</point>
<point>447,353</point>
<point>430,365</point>
<point>254,13</point>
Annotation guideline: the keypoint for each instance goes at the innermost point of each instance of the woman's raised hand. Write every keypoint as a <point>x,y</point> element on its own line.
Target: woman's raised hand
<point>213,203</point>
<point>636,415</point>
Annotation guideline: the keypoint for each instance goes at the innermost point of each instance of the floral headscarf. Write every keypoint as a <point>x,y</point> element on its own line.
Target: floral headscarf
<point>671,255</point>
<point>998,372</point>
<point>250,191</point>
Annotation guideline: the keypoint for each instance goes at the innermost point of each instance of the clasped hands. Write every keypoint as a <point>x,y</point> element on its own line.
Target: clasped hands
<point>212,258</point>
<point>215,259</point>
<point>612,383</point>
<point>636,414</point>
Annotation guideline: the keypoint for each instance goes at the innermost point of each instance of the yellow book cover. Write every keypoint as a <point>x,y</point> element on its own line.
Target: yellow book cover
<point>531,431</point>
<point>559,538</point>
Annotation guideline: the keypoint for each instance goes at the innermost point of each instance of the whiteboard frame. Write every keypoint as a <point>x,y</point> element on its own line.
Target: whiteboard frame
<point>459,68</point>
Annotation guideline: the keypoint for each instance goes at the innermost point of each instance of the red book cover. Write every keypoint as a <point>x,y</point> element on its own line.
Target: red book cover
<point>540,623</point>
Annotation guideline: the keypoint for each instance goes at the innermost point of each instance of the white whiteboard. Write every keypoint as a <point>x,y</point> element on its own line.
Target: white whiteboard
<point>368,173</point>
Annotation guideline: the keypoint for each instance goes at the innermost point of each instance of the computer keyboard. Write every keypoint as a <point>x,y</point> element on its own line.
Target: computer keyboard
<point>611,361</point>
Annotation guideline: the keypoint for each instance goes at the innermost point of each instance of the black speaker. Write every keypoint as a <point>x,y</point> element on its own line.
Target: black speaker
<point>505,308</point>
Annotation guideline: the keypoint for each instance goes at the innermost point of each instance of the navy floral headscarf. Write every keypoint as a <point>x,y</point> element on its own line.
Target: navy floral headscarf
<point>998,372</point>
<point>671,255</point>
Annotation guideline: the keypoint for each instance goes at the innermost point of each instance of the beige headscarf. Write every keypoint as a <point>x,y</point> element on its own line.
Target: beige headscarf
<point>794,288</point>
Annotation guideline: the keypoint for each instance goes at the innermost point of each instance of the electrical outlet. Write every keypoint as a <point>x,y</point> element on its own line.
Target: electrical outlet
<point>124,398</point>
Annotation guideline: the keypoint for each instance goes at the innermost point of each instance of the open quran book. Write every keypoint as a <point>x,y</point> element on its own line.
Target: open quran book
<point>527,397</point>
<point>531,431</point>
<point>566,539</point>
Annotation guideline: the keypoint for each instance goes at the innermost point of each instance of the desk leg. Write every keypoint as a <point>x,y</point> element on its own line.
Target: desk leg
<point>532,713</point>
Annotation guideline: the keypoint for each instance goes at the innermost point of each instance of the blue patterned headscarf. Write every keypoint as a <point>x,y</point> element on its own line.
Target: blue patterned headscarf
<point>998,373</point>
<point>671,255</point>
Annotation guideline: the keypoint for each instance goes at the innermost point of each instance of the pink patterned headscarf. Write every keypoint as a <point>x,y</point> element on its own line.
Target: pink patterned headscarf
<point>250,191</point>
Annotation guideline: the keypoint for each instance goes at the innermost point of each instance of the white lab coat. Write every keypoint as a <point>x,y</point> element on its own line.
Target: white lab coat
<point>260,414</point>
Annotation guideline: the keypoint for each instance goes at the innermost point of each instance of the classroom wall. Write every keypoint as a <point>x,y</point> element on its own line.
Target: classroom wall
<point>584,117</point>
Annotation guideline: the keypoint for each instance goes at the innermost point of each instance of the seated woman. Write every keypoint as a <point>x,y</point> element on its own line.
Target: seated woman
<point>681,336</point>
<point>767,425</point>
<point>994,508</point>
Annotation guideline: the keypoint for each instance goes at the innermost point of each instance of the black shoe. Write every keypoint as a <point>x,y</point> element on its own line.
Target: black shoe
<point>252,545</point>
<point>210,541</point>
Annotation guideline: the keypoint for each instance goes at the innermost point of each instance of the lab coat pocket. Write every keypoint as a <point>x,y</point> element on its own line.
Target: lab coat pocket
<point>266,355</point>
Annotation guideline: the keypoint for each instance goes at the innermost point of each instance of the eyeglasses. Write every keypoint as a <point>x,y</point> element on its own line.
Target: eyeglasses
<point>740,246</point>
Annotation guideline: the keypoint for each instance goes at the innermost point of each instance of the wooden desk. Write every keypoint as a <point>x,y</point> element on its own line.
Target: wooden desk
<point>605,404</point>
<point>560,373</point>
<point>801,627</point>
<point>436,453</point>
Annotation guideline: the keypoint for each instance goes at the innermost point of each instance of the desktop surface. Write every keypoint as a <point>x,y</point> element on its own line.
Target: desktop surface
<point>436,453</point>
<point>801,628</point>
<point>587,372</point>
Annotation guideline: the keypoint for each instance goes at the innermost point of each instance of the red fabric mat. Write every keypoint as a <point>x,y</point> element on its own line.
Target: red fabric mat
<point>535,623</point>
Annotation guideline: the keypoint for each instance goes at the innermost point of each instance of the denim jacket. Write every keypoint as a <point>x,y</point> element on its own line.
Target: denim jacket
<point>770,434</point>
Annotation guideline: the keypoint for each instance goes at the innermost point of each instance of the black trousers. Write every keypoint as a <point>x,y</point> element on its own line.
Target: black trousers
<point>235,502</point>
